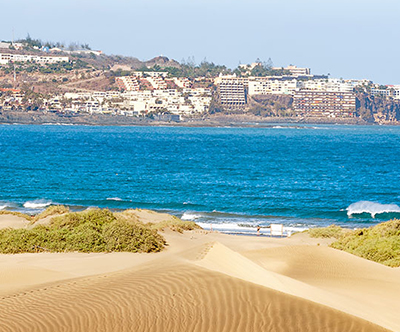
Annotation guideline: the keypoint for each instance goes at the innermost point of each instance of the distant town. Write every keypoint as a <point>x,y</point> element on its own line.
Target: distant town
<point>48,78</point>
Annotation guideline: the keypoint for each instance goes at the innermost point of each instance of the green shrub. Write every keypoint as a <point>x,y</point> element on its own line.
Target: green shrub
<point>332,231</point>
<point>92,230</point>
<point>121,235</point>
<point>380,243</point>
<point>94,218</point>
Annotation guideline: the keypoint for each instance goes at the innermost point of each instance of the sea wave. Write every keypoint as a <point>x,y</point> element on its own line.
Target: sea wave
<point>37,204</point>
<point>190,216</point>
<point>372,208</point>
<point>247,229</point>
<point>114,199</point>
<point>2,207</point>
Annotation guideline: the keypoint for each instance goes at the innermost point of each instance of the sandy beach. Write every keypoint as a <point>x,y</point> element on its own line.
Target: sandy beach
<point>202,281</point>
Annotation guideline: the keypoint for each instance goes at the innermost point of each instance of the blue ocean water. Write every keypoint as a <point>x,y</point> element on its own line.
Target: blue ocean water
<point>301,176</point>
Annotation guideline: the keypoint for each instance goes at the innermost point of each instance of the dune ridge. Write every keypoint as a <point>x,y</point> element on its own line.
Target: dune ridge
<point>224,260</point>
<point>179,297</point>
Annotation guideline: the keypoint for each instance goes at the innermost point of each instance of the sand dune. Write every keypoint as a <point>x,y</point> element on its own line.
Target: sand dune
<point>168,297</point>
<point>203,282</point>
<point>374,289</point>
<point>10,221</point>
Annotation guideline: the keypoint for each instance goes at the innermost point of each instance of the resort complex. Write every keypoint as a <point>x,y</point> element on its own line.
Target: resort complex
<point>85,82</point>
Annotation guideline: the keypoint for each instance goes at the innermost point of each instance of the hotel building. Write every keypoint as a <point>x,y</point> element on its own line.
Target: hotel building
<point>324,103</point>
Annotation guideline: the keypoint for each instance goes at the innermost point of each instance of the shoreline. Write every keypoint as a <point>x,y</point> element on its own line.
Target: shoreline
<point>225,222</point>
<point>245,121</point>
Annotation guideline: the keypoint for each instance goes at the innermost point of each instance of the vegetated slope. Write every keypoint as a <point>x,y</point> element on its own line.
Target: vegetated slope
<point>91,230</point>
<point>380,243</point>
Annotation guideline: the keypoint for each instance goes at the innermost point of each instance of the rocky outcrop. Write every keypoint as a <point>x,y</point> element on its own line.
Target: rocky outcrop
<point>377,109</point>
<point>270,105</point>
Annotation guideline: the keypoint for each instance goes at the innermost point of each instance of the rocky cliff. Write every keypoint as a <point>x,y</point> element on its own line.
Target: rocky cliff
<point>377,109</point>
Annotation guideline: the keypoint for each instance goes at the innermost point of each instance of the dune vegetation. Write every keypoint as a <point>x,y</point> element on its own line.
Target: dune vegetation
<point>175,224</point>
<point>172,222</point>
<point>380,243</point>
<point>332,231</point>
<point>92,230</point>
<point>51,211</point>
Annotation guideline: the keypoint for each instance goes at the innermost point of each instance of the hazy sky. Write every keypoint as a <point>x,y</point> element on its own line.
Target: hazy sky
<point>346,38</point>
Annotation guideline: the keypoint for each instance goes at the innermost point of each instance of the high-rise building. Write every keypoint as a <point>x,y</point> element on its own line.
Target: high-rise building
<point>325,103</point>
<point>232,95</point>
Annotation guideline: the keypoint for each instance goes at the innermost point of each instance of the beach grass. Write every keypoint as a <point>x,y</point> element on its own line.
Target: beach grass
<point>175,224</point>
<point>380,243</point>
<point>52,210</point>
<point>170,222</point>
<point>332,231</point>
<point>93,230</point>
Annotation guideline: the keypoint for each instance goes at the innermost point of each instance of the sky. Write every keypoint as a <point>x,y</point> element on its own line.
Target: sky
<point>344,38</point>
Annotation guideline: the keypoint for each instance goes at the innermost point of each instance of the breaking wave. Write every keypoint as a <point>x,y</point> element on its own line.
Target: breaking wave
<point>37,204</point>
<point>190,216</point>
<point>114,199</point>
<point>372,208</point>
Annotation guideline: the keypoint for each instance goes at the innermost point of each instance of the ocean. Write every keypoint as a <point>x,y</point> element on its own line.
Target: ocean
<point>231,178</point>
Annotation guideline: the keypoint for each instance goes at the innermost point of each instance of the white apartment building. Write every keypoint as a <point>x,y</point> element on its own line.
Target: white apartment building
<point>231,79</point>
<point>331,84</point>
<point>296,71</point>
<point>99,96</point>
<point>182,82</point>
<point>167,93</point>
<point>200,104</point>
<point>186,103</point>
<point>9,57</point>
<point>394,91</point>
<point>381,92</point>
<point>157,82</point>
<point>128,83</point>
<point>5,45</point>
<point>273,86</point>
<point>138,95</point>
<point>356,83</point>
<point>198,92</point>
